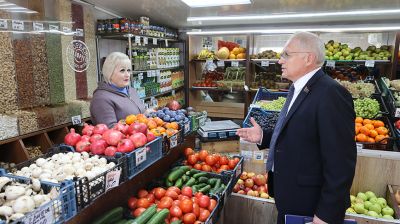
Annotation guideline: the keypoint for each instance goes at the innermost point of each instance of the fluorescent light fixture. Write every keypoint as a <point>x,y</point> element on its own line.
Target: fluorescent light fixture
<point>210,3</point>
<point>22,11</point>
<point>295,15</point>
<point>7,4</point>
<point>12,8</point>
<point>289,31</point>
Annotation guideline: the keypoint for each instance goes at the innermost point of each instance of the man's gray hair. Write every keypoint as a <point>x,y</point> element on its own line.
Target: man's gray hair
<point>311,42</point>
<point>112,60</point>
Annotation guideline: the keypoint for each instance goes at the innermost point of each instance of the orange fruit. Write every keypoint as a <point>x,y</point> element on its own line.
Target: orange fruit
<point>372,140</point>
<point>378,124</point>
<point>361,138</point>
<point>159,121</point>
<point>142,120</point>
<point>235,51</point>
<point>130,119</point>
<point>373,133</point>
<point>140,116</point>
<point>174,125</point>
<point>379,138</point>
<point>359,125</point>
<point>367,121</point>
<point>364,130</point>
<point>156,132</point>
<point>358,130</point>
<point>151,124</point>
<point>382,130</point>
<point>369,126</point>
<point>359,120</point>
<point>170,132</point>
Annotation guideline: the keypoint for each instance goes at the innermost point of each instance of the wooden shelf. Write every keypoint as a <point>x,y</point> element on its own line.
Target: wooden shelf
<point>124,36</point>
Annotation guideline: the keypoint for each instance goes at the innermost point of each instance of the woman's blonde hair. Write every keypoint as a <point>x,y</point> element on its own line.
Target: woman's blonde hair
<point>112,60</point>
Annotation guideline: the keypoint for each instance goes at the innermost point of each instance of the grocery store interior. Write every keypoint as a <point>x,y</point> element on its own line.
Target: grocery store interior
<point>195,72</point>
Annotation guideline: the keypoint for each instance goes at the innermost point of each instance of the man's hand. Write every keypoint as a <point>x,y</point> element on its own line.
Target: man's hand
<point>253,134</point>
<point>316,220</point>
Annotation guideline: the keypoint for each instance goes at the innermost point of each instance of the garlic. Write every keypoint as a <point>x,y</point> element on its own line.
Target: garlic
<point>24,204</point>
<point>40,162</point>
<point>13,192</point>
<point>36,172</point>
<point>16,216</point>
<point>36,186</point>
<point>6,211</point>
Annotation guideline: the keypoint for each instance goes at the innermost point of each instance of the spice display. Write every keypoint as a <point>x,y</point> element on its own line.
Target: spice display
<point>34,151</point>
<point>60,115</point>
<point>90,36</point>
<point>8,126</point>
<point>40,70</point>
<point>68,73</point>
<point>73,109</point>
<point>27,121</point>
<point>44,117</point>
<point>56,81</point>
<point>23,69</point>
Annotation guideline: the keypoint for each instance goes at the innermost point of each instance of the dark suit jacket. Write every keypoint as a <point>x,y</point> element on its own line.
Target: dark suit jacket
<point>315,153</point>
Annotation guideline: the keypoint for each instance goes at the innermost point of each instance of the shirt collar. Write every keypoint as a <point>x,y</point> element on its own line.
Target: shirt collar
<point>301,82</point>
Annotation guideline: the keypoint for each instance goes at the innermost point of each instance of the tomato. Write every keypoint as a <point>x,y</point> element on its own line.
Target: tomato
<point>198,195</point>
<point>175,211</point>
<point>213,204</point>
<point>132,202</point>
<point>138,211</point>
<point>231,164</point>
<point>172,194</point>
<point>173,219</point>
<point>210,160</point>
<point>159,193</point>
<point>196,209</point>
<point>142,193</point>
<point>188,151</point>
<point>217,156</point>
<point>206,168</point>
<point>204,213</point>
<point>223,160</point>
<point>192,159</point>
<point>143,203</point>
<point>236,160</point>
<point>203,154</point>
<point>166,221</point>
<point>195,200</point>
<point>187,191</point>
<point>152,191</point>
<point>198,222</point>
<point>166,202</point>
<point>186,205</point>
<point>204,201</point>
<point>197,166</point>
<point>150,198</point>
<point>189,218</point>
<point>181,197</point>
<point>224,167</point>
<point>176,189</point>
<point>176,202</point>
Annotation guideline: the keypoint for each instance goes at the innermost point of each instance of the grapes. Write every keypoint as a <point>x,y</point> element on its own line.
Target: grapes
<point>267,121</point>
<point>358,89</point>
<point>275,105</point>
<point>366,107</point>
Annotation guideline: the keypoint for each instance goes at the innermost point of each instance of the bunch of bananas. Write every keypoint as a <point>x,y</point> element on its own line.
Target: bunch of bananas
<point>206,54</point>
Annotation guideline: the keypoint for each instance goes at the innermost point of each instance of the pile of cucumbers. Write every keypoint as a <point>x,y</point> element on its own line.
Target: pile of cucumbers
<point>200,181</point>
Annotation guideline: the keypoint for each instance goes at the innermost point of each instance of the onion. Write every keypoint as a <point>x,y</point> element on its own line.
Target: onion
<point>100,129</point>
<point>87,129</point>
<point>112,137</point>
<point>72,138</point>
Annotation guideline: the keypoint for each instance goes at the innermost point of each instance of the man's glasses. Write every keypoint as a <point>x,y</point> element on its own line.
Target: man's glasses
<point>286,55</point>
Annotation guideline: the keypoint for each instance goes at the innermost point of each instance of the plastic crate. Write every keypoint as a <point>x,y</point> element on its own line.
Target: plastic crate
<point>264,94</point>
<point>197,121</point>
<point>173,141</point>
<point>387,96</point>
<point>59,210</point>
<point>388,146</point>
<point>234,174</point>
<point>186,126</point>
<point>269,115</point>
<point>86,191</point>
<point>143,157</point>
<point>214,216</point>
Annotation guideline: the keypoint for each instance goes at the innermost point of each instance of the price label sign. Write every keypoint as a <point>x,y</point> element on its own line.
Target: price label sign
<point>137,39</point>
<point>42,215</point>
<point>38,26</point>
<point>220,63</point>
<point>155,41</point>
<point>330,63</point>
<point>76,119</point>
<point>53,28</point>
<point>145,40</point>
<point>3,24</point>
<point>166,43</point>
<point>209,61</point>
<point>370,63</point>
<point>66,29</point>
<point>140,76</point>
<point>79,32</point>
<point>265,63</point>
<point>397,113</point>
<point>17,25</point>
<point>146,106</point>
<point>140,155</point>
<point>112,179</point>
<point>173,141</point>
<point>258,155</point>
<point>239,171</point>
<point>173,92</point>
<point>359,146</point>
<point>235,64</point>
<point>154,102</point>
<point>187,127</point>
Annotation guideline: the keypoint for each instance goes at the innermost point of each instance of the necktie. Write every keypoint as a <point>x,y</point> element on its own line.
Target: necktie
<point>277,130</point>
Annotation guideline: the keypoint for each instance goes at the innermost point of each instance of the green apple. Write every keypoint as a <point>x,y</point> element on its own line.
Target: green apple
<point>373,214</point>
<point>370,194</point>
<point>352,198</point>
<point>336,45</point>
<point>375,207</point>
<point>330,48</point>
<point>387,211</point>
<point>359,200</point>
<point>373,200</point>
<point>382,202</point>
<point>350,210</point>
<point>362,196</point>
<point>387,217</point>
<point>367,204</point>
<point>359,208</point>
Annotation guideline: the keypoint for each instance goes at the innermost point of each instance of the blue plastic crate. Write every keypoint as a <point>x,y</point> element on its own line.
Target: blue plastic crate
<point>141,158</point>
<point>173,141</point>
<point>234,175</point>
<point>60,209</point>
<point>264,94</point>
<point>186,126</point>
<point>269,115</point>
<point>214,216</point>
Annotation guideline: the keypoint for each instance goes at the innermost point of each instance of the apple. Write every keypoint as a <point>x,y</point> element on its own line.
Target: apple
<point>387,211</point>
<point>382,202</point>
<point>362,196</point>
<point>236,188</point>
<point>249,183</point>
<point>241,192</point>
<point>359,201</point>
<point>247,189</point>
<point>260,180</point>
<point>373,199</point>
<point>373,214</point>
<point>370,194</point>
<point>240,181</point>
<point>359,208</point>
<point>351,210</point>
<point>243,176</point>
<point>241,186</point>
<point>262,189</point>
<point>367,204</point>
<point>250,193</point>
<point>397,124</point>
<point>375,207</point>
<point>352,198</point>
<point>264,195</point>
<point>255,187</point>
<point>250,174</point>
<point>387,217</point>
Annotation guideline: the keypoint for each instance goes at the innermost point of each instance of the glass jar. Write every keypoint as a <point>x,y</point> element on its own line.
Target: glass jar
<point>115,25</point>
<point>124,25</point>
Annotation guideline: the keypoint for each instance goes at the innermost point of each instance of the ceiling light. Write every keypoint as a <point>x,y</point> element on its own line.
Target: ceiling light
<point>12,8</point>
<point>210,3</point>
<point>295,15</point>
<point>22,11</point>
<point>7,4</point>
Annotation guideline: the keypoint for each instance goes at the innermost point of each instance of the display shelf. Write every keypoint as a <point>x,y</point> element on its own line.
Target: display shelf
<point>163,93</point>
<point>215,60</point>
<point>123,36</point>
<point>266,59</point>
<point>157,69</point>
<point>216,89</point>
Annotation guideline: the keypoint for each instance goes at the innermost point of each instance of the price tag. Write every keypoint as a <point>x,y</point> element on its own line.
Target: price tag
<point>397,113</point>
<point>17,25</point>
<point>76,119</point>
<point>220,63</point>
<point>155,41</point>
<point>154,102</point>
<point>140,76</point>
<point>239,170</point>
<point>140,155</point>
<point>137,39</point>
<point>330,63</point>
<point>38,26</point>
<point>235,64</point>
<point>265,63</point>
<point>146,106</point>
<point>134,54</point>
<point>209,61</point>
<point>79,32</point>
<point>66,29</point>
<point>166,43</point>
<point>246,154</point>
<point>359,146</point>
<point>187,127</point>
<point>370,63</point>
<point>3,24</point>
<point>258,155</point>
<point>53,27</point>
<point>173,141</point>
<point>145,40</point>
<point>112,179</point>
<point>42,215</point>
<point>173,92</point>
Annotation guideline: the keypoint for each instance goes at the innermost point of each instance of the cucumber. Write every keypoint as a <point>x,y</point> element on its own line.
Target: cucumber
<point>193,172</point>
<point>146,215</point>
<point>168,183</point>
<point>212,181</point>
<point>190,182</point>
<point>205,189</point>
<point>178,183</point>
<point>194,189</point>
<point>174,175</point>
<point>219,190</point>
<point>159,217</point>
<point>198,186</point>
<point>217,184</point>
<point>114,215</point>
<point>202,174</point>
<point>185,178</point>
<point>203,180</point>
<point>177,222</point>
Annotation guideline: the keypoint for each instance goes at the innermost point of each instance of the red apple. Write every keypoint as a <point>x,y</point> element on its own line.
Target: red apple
<point>241,192</point>
<point>138,139</point>
<point>240,181</point>
<point>236,188</point>
<point>247,189</point>
<point>262,189</point>
<point>397,124</point>
<point>255,187</point>
<point>243,176</point>
<point>250,174</point>
<point>264,195</point>
<point>150,136</point>
<point>241,186</point>
<point>260,180</point>
<point>249,183</point>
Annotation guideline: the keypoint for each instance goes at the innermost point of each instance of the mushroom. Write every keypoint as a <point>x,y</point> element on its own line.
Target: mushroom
<point>24,204</point>
<point>36,186</point>
<point>36,172</point>
<point>16,216</point>
<point>40,162</point>
<point>13,192</point>
<point>6,211</point>
<point>4,181</point>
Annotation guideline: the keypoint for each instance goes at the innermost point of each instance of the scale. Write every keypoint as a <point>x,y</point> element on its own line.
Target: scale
<point>218,129</point>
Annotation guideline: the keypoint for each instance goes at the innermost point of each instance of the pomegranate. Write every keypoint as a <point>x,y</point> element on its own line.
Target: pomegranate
<point>260,180</point>
<point>125,145</point>
<point>82,146</point>
<point>121,127</point>
<point>174,105</point>
<point>138,139</point>
<point>95,137</point>
<point>98,147</point>
<point>133,128</point>
<point>150,136</point>
<point>87,129</point>
<point>110,151</point>
<point>85,137</point>
<point>72,138</point>
<point>112,137</point>
<point>100,129</point>
<point>143,128</point>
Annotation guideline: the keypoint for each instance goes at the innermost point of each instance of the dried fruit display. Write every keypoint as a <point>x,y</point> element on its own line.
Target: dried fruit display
<point>34,151</point>
<point>40,70</point>
<point>90,37</point>
<point>68,73</point>
<point>27,121</point>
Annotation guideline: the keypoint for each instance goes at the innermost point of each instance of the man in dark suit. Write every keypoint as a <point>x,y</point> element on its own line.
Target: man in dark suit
<point>312,151</point>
